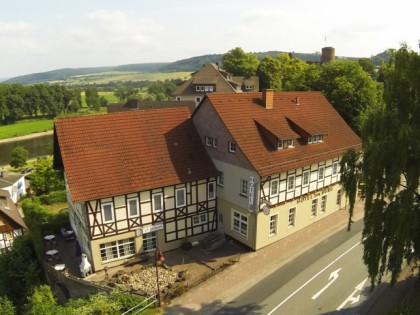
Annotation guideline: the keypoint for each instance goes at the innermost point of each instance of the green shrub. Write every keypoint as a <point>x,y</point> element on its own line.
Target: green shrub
<point>54,197</point>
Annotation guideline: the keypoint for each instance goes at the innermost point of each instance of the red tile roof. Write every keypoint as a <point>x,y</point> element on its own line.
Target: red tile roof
<point>119,153</point>
<point>242,112</point>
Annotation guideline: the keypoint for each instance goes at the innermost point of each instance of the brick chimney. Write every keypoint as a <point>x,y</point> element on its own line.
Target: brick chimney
<point>267,98</point>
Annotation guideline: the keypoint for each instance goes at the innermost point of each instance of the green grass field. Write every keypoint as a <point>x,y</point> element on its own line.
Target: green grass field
<point>25,127</point>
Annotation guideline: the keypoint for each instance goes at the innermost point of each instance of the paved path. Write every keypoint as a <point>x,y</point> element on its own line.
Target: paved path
<point>254,266</point>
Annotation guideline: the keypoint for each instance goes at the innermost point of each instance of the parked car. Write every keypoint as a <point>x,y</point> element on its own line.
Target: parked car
<point>67,234</point>
<point>27,170</point>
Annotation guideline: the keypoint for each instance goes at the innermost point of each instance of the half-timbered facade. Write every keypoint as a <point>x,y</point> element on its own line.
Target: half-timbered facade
<point>135,181</point>
<point>11,222</point>
<point>277,156</point>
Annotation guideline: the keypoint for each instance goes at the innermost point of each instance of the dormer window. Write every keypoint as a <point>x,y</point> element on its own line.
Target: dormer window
<point>315,138</point>
<point>284,144</point>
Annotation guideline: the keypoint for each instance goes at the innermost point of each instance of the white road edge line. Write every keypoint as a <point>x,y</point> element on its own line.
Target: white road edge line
<point>307,282</point>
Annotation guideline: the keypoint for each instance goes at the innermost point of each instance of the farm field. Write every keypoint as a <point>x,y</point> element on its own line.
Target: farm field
<point>114,76</point>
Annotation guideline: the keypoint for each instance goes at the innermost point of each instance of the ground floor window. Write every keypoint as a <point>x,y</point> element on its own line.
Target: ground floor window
<point>338,200</point>
<point>323,203</point>
<point>314,207</point>
<point>117,249</point>
<point>149,242</point>
<point>273,224</point>
<point>199,219</point>
<point>240,223</point>
<point>292,217</point>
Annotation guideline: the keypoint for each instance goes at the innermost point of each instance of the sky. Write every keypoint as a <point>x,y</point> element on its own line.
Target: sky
<point>44,35</point>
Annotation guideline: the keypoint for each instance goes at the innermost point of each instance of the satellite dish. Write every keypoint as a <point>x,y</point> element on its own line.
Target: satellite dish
<point>266,210</point>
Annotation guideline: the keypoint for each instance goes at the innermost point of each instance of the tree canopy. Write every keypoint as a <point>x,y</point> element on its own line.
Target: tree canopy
<point>240,63</point>
<point>390,170</point>
<point>19,157</point>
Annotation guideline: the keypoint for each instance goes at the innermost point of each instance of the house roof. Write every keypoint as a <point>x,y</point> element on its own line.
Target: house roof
<point>8,209</point>
<point>242,113</point>
<point>119,153</point>
<point>135,105</point>
<point>212,74</point>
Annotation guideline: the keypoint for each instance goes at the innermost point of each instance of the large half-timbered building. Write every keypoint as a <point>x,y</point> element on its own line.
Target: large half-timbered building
<point>277,156</point>
<point>135,181</point>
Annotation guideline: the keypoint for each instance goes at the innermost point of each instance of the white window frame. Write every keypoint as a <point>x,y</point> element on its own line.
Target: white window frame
<point>279,144</point>
<point>232,147</point>
<point>211,193</point>
<point>291,217</point>
<point>220,179</point>
<point>335,168</point>
<point>242,220</point>
<point>136,200</point>
<point>149,239</point>
<point>199,219</point>
<point>290,143</point>
<point>103,205</point>
<point>160,196</point>
<point>323,204</point>
<point>291,179</point>
<point>314,207</point>
<point>244,188</point>
<point>111,251</point>
<point>274,183</point>
<point>338,198</point>
<point>214,140</point>
<point>184,196</point>
<point>273,224</point>
<point>308,174</point>
<point>321,172</point>
<point>211,88</point>
<point>208,141</point>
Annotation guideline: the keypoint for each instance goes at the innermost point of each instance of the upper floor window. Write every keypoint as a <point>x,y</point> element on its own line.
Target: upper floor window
<point>180,198</point>
<point>284,144</point>
<point>248,87</point>
<point>210,141</point>
<point>232,147</point>
<point>305,178</point>
<point>220,179</point>
<point>335,168</point>
<point>157,202</point>
<point>274,187</point>
<point>211,193</point>
<point>204,88</point>
<point>133,207</point>
<point>107,212</point>
<point>291,182</point>
<point>315,138</point>
<point>244,187</point>
<point>321,172</point>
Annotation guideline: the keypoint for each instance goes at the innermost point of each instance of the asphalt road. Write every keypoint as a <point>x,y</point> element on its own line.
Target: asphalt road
<point>330,278</point>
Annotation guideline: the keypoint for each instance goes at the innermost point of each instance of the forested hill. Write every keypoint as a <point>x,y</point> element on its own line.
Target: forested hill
<point>184,65</point>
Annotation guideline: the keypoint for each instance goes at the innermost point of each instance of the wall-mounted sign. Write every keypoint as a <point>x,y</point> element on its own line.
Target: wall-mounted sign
<point>149,228</point>
<point>251,193</point>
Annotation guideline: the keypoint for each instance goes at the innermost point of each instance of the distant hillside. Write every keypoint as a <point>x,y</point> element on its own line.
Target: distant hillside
<point>184,65</point>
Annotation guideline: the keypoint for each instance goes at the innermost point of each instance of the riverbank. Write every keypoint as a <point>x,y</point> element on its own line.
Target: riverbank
<point>26,137</point>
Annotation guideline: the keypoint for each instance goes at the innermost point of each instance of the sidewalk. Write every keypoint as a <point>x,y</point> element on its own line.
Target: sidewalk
<point>207,297</point>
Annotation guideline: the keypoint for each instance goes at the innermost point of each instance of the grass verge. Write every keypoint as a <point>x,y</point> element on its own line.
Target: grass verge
<point>25,127</point>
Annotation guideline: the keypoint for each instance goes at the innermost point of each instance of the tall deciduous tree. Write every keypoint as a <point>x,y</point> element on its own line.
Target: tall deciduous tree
<point>240,63</point>
<point>350,90</point>
<point>391,171</point>
<point>19,157</point>
<point>269,73</point>
<point>45,179</point>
